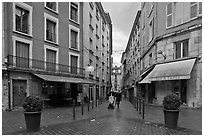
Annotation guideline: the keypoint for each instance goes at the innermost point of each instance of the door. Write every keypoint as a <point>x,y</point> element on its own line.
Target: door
<point>19,92</point>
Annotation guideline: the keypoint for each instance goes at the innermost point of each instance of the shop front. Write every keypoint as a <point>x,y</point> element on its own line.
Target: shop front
<point>60,91</point>
<point>179,77</point>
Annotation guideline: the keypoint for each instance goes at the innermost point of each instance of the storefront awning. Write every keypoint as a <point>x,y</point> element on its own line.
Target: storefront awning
<point>63,79</point>
<point>170,71</point>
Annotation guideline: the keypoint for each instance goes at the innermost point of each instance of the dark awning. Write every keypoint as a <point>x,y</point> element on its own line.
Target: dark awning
<point>63,79</point>
<point>170,71</point>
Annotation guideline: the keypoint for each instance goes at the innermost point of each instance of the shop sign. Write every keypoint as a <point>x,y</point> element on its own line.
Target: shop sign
<point>169,78</point>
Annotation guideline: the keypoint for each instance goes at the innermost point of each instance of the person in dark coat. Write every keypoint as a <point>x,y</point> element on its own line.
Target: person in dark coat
<point>118,98</point>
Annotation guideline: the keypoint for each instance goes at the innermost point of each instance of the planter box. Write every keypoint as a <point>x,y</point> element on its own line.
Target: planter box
<point>32,121</point>
<point>171,118</point>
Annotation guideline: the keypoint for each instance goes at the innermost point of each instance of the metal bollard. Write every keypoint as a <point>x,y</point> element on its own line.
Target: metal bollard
<point>143,108</point>
<point>73,109</point>
<point>92,104</point>
<point>82,107</point>
<point>139,106</point>
<point>88,105</point>
<point>101,100</point>
<point>137,103</point>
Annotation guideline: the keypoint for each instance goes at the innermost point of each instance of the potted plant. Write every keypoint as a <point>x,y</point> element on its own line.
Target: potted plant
<point>171,104</point>
<point>32,111</point>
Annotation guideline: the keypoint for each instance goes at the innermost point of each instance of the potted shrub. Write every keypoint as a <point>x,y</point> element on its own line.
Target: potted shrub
<point>171,104</point>
<point>32,111</point>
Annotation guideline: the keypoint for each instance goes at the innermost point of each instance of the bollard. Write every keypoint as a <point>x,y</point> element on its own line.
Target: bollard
<point>137,103</point>
<point>139,106</point>
<point>82,107</point>
<point>73,109</point>
<point>92,104</point>
<point>88,105</point>
<point>143,108</point>
<point>101,100</point>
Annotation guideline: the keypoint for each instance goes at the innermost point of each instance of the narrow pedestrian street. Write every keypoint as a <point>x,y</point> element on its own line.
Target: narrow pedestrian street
<point>96,121</point>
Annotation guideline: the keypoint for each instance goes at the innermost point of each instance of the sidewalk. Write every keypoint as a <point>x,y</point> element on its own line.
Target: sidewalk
<point>188,117</point>
<point>100,120</point>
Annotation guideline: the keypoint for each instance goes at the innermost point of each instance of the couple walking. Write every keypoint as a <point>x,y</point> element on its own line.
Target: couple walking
<point>114,100</point>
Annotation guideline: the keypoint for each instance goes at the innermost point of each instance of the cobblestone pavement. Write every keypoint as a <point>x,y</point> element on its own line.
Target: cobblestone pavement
<point>98,121</point>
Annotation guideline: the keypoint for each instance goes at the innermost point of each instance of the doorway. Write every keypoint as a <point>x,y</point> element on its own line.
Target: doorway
<point>19,92</point>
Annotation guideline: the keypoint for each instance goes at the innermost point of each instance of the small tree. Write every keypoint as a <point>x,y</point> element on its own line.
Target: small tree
<point>171,102</point>
<point>33,104</point>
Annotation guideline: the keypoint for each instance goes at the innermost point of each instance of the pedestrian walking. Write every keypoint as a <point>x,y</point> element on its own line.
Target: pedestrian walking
<point>118,98</point>
<point>111,102</point>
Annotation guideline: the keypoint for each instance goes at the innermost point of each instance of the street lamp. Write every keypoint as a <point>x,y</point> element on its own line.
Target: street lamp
<point>160,52</point>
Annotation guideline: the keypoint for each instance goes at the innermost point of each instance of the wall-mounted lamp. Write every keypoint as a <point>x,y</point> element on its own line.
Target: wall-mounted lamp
<point>160,52</point>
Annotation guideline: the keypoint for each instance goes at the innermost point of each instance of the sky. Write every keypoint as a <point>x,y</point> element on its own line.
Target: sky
<point>122,15</point>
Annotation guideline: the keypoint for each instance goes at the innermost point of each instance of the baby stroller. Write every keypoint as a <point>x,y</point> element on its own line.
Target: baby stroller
<point>111,102</point>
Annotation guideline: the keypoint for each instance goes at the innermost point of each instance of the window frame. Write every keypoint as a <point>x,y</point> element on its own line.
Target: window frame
<point>172,14</point>
<point>73,28</point>
<point>45,55</point>
<point>53,19</point>
<point>57,10</point>
<point>182,48</point>
<point>28,8</point>
<point>151,30</point>
<point>197,10</point>
<point>14,39</point>
<point>78,59</point>
<point>78,12</point>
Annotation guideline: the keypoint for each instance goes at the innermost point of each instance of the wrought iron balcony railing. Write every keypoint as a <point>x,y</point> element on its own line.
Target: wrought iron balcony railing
<point>38,65</point>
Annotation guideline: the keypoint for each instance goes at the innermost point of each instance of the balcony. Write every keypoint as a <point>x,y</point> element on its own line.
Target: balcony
<point>33,65</point>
